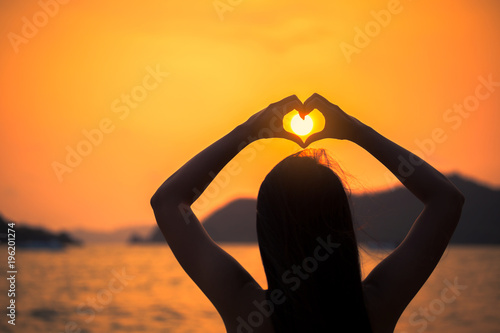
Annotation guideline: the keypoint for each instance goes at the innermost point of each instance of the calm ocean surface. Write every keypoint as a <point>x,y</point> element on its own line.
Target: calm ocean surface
<point>120,288</point>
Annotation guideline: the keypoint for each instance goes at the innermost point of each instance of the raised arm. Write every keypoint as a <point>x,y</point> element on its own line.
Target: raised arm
<point>215,272</point>
<point>393,283</point>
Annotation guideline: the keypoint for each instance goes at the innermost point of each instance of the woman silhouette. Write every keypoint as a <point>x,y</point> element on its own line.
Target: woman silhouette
<point>305,232</point>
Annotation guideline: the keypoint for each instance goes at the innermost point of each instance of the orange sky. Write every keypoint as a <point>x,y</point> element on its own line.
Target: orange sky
<point>71,70</point>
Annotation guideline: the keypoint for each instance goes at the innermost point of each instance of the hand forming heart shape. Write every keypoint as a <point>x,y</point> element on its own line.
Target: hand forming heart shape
<point>338,124</point>
<point>329,121</point>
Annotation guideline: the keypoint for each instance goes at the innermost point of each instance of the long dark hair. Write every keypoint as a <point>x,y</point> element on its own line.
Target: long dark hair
<point>309,249</point>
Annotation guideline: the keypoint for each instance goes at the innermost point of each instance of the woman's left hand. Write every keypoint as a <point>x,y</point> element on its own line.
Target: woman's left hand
<point>268,123</point>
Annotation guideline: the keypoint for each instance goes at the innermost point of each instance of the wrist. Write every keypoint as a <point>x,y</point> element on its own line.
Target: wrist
<point>243,135</point>
<point>360,133</point>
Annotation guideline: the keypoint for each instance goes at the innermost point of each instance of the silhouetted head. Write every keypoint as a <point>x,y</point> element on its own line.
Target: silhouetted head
<point>308,246</point>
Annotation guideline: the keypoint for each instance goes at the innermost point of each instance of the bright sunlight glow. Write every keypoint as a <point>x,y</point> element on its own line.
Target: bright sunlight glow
<point>302,126</point>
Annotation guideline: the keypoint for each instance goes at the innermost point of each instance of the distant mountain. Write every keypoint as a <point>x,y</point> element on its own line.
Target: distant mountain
<point>33,237</point>
<point>381,218</point>
<point>153,236</point>
<point>242,212</point>
<point>387,216</point>
<point>120,235</point>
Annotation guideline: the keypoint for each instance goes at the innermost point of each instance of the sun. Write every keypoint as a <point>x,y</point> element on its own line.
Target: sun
<point>302,126</point>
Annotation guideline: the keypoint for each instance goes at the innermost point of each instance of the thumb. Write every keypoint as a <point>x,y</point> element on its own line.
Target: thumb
<point>314,137</point>
<point>294,138</point>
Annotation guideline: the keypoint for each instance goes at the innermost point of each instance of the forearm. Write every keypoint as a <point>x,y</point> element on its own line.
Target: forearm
<point>187,183</point>
<point>424,181</point>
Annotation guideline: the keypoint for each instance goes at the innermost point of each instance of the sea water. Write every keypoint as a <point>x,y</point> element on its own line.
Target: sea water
<point>122,288</point>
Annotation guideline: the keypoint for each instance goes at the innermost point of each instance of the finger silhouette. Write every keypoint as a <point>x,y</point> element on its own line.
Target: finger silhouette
<point>290,103</point>
<point>316,101</point>
<point>294,138</point>
<point>286,105</point>
<point>314,137</point>
<point>309,99</point>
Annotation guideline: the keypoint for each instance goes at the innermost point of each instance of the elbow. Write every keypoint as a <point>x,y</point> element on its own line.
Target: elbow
<point>165,199</point>
<point>154,201</point>
<point>449,197</point>
<point>161,197</point>
<point>457,202</point>
<point>157,200</point>
<point>454,199</point>
<point>456,196</point>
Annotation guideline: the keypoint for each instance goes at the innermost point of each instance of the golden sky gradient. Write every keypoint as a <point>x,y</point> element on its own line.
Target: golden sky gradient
<point>79,67</point>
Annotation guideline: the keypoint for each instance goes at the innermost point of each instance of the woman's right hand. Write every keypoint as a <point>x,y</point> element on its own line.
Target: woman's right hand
<point>338,124</point>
